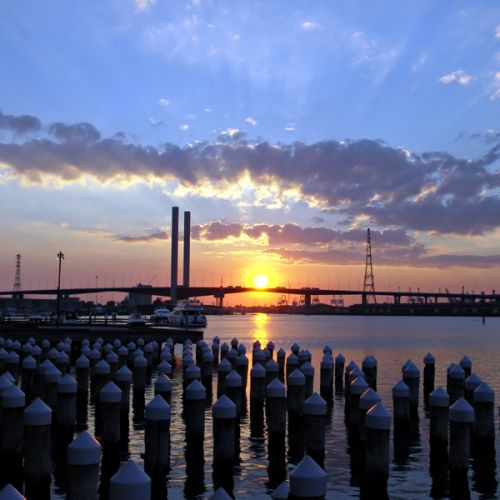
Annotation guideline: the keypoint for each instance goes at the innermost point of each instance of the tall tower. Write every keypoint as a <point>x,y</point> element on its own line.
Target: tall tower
<point>187,249</point>
<point>17,279</point>
<point>369,281</point>
<point>174,255</point>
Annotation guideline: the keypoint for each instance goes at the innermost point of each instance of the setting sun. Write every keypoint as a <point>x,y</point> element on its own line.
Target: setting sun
<point>260,281</point>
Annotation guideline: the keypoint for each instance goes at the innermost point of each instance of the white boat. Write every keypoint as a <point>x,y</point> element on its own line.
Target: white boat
<point>160,316</point>
<point>136,319</point>
<point>188,314</point>
<point>68,318</point>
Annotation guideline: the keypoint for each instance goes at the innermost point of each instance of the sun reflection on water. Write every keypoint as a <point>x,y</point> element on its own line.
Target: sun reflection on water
<point>260,332</point>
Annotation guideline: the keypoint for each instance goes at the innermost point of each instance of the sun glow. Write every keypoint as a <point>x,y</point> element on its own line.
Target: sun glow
<point>261,281</point>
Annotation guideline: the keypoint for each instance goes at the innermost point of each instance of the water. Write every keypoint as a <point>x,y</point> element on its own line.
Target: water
<point>392,341</point>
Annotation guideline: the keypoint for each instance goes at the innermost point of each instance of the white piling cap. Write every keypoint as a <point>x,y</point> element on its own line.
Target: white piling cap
<point>219,494</point>
<point>292,359</point>
<point>149,347</point>
<point>429,359</point>
<point>165,367</point>
<point>358,386</point>
<point>327,362</point>
<point>85,342</point>
<point>472,382</point>
<point>107,347</point>
<point>242,349</point>
<point>5,383</point>
<point>276,389</point>
<point>27,347</point>
<point>163,383</point>
<point>296,378</point>
<point>82,362</point>
<point>225,347</point>
<point>411,370</point>
<point>3,353</point>
<point>123,374</point>
<point>117,343</point>
<point>281,353</point>
<point>29,363</point>
<point>465,362</point>
<point>307,368</point>
<point>52,374</point>
<point>10,376</point>
<point>242,360</point>
<point>130,483</point>
<point>327,349</point>
<point>484,394</point>
<point>259,355</point>
<point>457,372</point>
<point>303,355</point>
<point>112,358</point>
<point>166,355</point>
<point>224,408</point>
<point>140,341</point>
<point>208,357</point>
<point>196,391</point>
<point>295,347</point>
<point>377,417</point>
<point>233,353</point>
<point>84,450</point>
<point>224,366</point>
<point>461,412</point>
<point>340,358</point>
<point>232,379</point>
<point>9,343</point>
<point>369,362</point>
<point>53,353</point>
<point>308,479</point>
<point>122,351</point>
<point>272,366</point>
<point>67,385</point>
<point>140,361</point>
<point>110,393</point>
<point>102,368</point>
<point>62,357</point>
<point>192,371</point>
<point>439,398</point>
<point>85,350</point>
<point>8,492</point>
<point>450,367</point>
<point>157,409</point>
<point>36,351</point>
<point>270,345</point>
<point>131,346</point>
<point>368,399</point>
<point>355,373</point>
<point>12,357</point>
<point>400,390</point>
<point>281,492</point>
<point>37,414</point>
<point>258,371</point>
<point>95,354</point>
<point>351,365</point>
<point>315,405</point>
<point>13,397</point>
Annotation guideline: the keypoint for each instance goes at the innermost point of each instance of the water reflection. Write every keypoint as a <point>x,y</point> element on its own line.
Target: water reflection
<point>260,324</point>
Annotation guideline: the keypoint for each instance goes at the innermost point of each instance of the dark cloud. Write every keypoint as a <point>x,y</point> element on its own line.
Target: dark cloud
<point>318,220</point>
<point>158,235</point>
<point>433,191</point>
<point>19,124</point>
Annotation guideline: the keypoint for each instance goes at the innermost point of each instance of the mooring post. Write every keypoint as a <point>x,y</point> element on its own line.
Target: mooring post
<point>307,480</point>
<point>157,437</point>
<point>130,483</point>
<point>315,408</point>
<point>438,425</point>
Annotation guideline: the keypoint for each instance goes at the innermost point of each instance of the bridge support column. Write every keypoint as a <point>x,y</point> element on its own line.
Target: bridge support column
<point>364,299</point>
<point>307,301</point>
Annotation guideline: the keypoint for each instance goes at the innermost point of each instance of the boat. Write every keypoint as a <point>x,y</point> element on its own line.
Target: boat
<point>160,316</point>
<point>69,318</point>
<point>136,319</point>
<point>188,314</point>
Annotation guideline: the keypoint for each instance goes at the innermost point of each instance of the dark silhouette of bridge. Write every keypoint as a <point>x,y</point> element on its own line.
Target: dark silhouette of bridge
<point>220,292</point>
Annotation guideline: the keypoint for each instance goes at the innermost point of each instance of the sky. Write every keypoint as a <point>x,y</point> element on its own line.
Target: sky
<point>287,128</point>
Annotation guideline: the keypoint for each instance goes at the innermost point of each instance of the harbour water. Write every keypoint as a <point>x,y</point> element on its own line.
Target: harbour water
<point>392,340</point>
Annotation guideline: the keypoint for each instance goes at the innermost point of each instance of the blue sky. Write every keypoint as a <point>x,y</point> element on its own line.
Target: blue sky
<point>408,90</point>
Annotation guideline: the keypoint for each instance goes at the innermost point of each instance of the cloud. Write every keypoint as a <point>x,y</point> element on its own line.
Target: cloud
<point>497,31</point>
<point>208,110</point>
<point>164,103</point>
<point>144,5</point>
<point>458,76</point>
<point>155,122</point>
<point>19,125</point>
<point>290,127</point>
<point>310,26</point>
<point>250,121</point>
<point>184,127</point>
<point>151,237</point>
<point>431,191</point>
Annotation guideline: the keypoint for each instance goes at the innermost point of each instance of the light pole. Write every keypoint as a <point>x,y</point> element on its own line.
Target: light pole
<point>60,257</point>
<point>96,284</point>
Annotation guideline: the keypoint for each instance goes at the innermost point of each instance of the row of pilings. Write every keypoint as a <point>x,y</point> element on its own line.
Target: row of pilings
<point>45,390</point>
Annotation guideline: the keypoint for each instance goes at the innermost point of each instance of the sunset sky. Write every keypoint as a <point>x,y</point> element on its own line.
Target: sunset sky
<point>286,128</point>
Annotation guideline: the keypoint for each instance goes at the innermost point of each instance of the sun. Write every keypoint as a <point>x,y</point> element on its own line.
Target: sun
<point>260,281</point>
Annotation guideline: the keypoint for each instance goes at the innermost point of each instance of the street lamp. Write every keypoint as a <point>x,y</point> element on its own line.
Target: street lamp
<point>60,257</point>
<point>96,285</point>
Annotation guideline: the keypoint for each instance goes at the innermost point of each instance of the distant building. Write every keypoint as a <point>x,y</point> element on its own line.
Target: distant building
<point>27,305</point>
<point>138,299</point>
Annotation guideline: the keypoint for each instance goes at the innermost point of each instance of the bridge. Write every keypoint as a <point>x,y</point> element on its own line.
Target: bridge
<point>220,292</point>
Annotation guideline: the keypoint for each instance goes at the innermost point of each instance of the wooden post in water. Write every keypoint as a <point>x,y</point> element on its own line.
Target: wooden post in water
<point>429,373</point>
<point>276,407</point>
<point>257,384</point>
<point>438,428</point>
<point>411,377</point>
<point>326,378</point>
<point>401,405</point>
<point>472,382</point>
<point>461,415</point>
<point>36,446</point>
<point>315,408</point>
<point>163,387</point>
<point>484,425</point>
<point>456,383</point>
<point>224,418</point>
<point>222,370</point>
<point>157,437</point>
<point>194,409</point>
<point>232,389</point>
<point>84,458</point>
